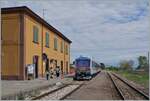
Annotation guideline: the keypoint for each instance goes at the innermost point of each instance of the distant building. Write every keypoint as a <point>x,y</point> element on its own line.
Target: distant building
<point>29,39</point>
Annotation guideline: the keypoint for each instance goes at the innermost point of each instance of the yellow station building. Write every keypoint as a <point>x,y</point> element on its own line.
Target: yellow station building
<point>29,39</point>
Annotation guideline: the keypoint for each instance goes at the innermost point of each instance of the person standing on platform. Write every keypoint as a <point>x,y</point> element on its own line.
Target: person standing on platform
<point>47,70</point>
<point>51,72</point>
<point>47,75</point>
<point>57,71</point>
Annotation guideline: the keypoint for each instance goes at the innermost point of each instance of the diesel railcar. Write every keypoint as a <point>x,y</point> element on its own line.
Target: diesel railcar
<point>85,68</point>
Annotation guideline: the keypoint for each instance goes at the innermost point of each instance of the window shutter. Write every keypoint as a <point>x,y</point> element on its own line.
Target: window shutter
<point>35,34</point>
<point>47,39</point>
<point>55,43</point>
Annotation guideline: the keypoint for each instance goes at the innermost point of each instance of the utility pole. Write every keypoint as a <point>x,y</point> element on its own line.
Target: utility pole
<point>42,45</point>
<point>148,59</point>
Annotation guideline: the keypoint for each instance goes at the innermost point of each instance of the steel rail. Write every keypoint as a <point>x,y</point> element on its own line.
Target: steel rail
<point>47,93</point>
<point>71,92</point>
<point>117,88</point>
<point>55,90</point>
<point>131,86</point>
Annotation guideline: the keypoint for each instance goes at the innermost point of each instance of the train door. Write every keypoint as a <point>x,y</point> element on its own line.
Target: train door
<point>35,62</point>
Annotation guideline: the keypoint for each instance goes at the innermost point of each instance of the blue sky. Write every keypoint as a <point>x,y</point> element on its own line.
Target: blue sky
<point>107,30</point>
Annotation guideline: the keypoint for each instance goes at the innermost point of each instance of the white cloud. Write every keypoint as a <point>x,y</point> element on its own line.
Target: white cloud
<point>108,30</point>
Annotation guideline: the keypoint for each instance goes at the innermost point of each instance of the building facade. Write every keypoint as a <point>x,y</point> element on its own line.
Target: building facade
<point>29,39</point>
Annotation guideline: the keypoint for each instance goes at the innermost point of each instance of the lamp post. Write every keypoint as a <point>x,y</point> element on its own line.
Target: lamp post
<point>148,59</point>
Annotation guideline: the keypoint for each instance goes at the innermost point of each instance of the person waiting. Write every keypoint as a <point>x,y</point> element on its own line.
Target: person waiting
<point>57,70</point>
<point>51,72</point>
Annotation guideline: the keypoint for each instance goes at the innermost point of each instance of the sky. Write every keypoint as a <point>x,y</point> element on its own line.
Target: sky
<point>107,30</point>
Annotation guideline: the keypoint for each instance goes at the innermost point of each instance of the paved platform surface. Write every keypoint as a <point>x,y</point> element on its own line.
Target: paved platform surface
<point>99,88</point>
<point>14,87</point>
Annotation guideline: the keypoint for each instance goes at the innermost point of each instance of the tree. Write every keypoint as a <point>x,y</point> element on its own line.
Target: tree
<point>126,64</point>
<point>131,63</point>
<point>102,65</point>
<point>143,62</point>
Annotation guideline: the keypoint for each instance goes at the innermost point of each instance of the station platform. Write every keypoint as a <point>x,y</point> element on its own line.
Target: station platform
<point>13,87</point>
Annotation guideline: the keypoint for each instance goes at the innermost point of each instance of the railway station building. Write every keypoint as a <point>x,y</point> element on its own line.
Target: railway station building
<point>29,39</point>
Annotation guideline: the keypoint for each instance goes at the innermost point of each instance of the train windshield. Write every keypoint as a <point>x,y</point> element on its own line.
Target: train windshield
<point>83,63</point>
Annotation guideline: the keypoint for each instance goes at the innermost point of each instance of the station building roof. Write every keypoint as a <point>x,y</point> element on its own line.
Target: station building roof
<point>26,10</point>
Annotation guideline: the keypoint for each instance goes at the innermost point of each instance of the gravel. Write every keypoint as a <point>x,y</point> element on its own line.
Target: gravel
<point>99,88</point>
<point>60,93</point>
<point>128,92</point>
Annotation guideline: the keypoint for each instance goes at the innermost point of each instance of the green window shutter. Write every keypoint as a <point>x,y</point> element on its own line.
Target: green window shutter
<point>47,39</point>
<point>66,49</point>
<point>37,36</point>
<point>55,43</point>
<point>34,36</point>
<point>61,47</point>
<point>35,33</point>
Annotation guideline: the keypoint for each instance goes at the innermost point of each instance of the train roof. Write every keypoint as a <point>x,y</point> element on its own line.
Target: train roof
<point>82,58</point>
<point>86,58</point>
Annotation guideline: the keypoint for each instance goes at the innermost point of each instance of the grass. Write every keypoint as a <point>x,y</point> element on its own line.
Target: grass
<point>141,78</point>
<point>21,96</point>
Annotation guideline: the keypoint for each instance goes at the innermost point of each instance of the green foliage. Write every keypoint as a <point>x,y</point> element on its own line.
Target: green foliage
<point>102,65</point>
<point>143,62</point>
<point>138,77</point>
<point>21,96</point>
<point>126,64</point>
<point>111,68</point>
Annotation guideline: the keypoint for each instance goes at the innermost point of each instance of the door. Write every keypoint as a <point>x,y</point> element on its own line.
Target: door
<point>62,67</point>
<point>35,62</point>
<point>67,67</point>
<point>47,65</point>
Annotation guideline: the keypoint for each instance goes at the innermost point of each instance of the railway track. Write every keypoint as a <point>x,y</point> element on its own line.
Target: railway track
<point>126,90</point>
<point>59,93</point>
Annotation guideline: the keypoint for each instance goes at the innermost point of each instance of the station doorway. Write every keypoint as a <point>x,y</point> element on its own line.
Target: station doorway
<point>67,67</point>
<point>61,64</point>
<point>35,62</point>
<point>45,63</point>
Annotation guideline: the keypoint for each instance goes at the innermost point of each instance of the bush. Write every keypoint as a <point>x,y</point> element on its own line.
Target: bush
<point>111,68</point>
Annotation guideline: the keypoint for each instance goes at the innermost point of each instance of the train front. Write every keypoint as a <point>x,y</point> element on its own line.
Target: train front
<point>82,68</point>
